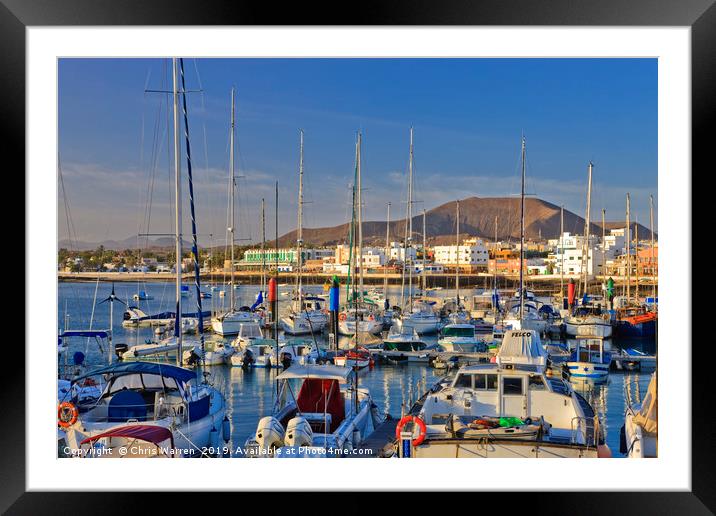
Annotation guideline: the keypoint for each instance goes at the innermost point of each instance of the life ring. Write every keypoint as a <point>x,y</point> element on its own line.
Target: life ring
<point>67,414</point>
<point>416,420</point>
<point>342,317</point>
<point>371,318</point>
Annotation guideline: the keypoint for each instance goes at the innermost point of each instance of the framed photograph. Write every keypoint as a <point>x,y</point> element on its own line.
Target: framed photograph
<point>429,238</point>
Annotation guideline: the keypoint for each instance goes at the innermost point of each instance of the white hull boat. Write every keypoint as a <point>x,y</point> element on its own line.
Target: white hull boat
<point>230,322</point>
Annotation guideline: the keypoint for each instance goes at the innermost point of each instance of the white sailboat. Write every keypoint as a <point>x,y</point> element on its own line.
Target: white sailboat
<point>306,315</point>
<point>420,315</point>
<point>360,314</point>
<point>523,318</point>
<point>229,322</point>
<point>588,321</point>
<point>146,393</point>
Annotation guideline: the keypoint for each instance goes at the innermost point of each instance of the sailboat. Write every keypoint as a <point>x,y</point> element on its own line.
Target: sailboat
<point>306,315</point>
<point>525,315</point>
<point>359,314</point>
<point>420,316</point>
<point>588,321</point>
<point>229,323</point>
<point>154,395</point>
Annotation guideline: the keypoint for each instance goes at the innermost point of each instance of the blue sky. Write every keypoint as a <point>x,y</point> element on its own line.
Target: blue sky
<point>468,116</point>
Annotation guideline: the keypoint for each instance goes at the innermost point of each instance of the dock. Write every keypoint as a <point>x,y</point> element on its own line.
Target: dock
<point>379,444</point>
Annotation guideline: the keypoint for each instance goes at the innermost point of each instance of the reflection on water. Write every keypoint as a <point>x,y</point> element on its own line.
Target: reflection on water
<point>251,394</point>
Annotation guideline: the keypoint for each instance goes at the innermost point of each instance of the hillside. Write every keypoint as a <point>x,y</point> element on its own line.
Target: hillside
<point>477,218</point>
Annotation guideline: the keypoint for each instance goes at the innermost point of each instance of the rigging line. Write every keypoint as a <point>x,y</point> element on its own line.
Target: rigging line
<point>194,249</point>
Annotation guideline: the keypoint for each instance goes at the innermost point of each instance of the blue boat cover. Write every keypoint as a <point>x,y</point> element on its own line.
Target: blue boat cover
<point>102,334</point>
<point>170,371</point>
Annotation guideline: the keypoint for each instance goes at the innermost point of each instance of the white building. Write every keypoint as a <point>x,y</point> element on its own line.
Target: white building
<point>472,252</point>
<point>399,253</point>
<point>573,245</point>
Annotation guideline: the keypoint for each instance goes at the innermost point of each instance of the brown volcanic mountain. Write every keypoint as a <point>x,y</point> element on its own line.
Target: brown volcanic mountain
<point>477,218</point>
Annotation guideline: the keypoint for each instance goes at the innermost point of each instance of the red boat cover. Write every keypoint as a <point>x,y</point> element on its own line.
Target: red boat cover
<point>314,395</point>
<point>150,433</point>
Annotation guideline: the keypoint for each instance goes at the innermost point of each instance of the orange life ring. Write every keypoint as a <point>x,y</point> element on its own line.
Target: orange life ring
<point>416,420</point>
<point>342,317</point>
<point>63,409</point>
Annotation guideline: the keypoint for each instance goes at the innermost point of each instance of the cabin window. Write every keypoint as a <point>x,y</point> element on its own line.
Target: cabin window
<point>491,382</point>
<point>464,380</point>
<point>480,381</point>
<point>511,386</point>
<point>536,383</point>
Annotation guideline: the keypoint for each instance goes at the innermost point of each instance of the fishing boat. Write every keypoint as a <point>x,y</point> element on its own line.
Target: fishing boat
<point>329,414</point>
<point>589,360</point>
<point>157,395</point>
<point>587,321</point>
<point>353,358</point>
<point>493,410</point>
<point>635,321</point>
<point>639,437</point>
<point>461,338</point>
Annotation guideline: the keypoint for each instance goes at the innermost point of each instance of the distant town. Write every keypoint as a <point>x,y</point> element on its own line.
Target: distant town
<point>563,256</point>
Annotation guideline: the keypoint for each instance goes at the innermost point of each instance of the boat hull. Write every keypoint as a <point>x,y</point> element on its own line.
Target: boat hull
<point>588,328</point>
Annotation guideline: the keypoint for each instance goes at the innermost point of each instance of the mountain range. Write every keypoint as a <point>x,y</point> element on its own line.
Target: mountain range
<point>483,217</point>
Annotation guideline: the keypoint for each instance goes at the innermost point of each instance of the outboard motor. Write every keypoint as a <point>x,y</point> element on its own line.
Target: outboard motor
<point>193,358</point>
<point>269,433</point>
<point>120,349</point>
<point>299,432</point>
<point>248,359</point>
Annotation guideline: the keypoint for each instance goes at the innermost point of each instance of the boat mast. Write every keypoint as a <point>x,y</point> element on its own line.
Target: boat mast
<point>604,246</point>
<point>494,273</point>
<point>585,246</point>
<point>263,245</point>
<point>299,233</point>
<point>651,230</point>
<point>636,256</point>
<point>561,268</point>
<point>423,279</point>
<point>628,248</point>
<point>359,200</point>
<point>232,185</point>
<point>457,247</point>
<point>409,238</point>
<point>177,212</point>
<point>387,251</point>
<point>522,234</point>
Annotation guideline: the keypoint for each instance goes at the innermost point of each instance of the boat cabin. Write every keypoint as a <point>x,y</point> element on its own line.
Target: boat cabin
<point>143,391</point>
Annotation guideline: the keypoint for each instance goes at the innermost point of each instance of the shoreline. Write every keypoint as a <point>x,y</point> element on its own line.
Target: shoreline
<point>447,281</point>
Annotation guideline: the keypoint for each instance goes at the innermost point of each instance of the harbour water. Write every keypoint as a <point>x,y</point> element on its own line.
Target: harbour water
<point>250,394</point>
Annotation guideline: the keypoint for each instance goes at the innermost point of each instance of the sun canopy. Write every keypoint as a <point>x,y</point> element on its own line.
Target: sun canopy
<point>326,372</point>
<point>102,334</point>
<point>179,374</point>
<point>521,347</point>
<point>150,433</point>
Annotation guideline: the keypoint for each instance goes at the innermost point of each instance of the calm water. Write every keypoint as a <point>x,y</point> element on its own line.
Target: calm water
<point>250,394</point>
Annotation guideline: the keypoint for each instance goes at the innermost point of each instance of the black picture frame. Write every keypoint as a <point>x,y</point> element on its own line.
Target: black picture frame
<point>700,15</point>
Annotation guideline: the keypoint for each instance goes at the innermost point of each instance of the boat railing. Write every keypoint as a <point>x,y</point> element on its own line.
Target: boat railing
<point>582,431</point>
